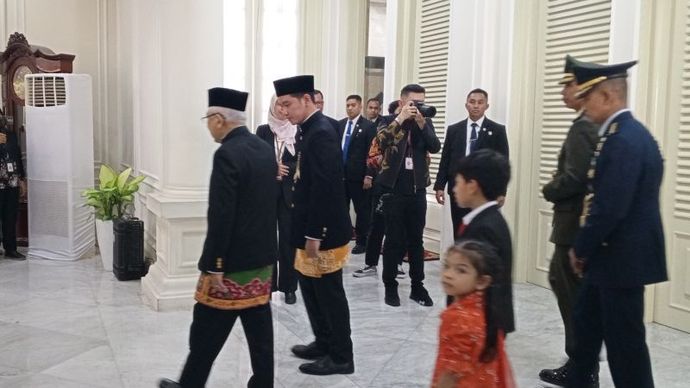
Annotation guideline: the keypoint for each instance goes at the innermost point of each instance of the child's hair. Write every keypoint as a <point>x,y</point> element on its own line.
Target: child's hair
<point>490,169</point>
<point>485,261</point>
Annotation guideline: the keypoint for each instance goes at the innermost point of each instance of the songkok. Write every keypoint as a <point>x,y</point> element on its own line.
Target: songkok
<point>227,98</point>
<point>590,74</point>
<point>292,85</point>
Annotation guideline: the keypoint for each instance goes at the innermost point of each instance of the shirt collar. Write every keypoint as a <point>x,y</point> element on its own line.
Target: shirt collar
<point>308,117</point>
<point>608,121</point>
<point>355,120</point>
<point>470,216</point>
<point>479,122</point>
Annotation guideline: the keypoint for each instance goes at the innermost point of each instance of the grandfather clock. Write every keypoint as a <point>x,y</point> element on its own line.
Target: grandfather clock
<point>19,59</point>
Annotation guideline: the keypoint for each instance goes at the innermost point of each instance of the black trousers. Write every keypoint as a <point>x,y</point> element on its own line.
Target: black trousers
<point>9,206</point>
<point>211,327</point>
<point>405,217</point>
<point>614,316</point>
<point>377,229</point>
<point>456,214</point>
<point>329,314</point>
<point>284,274</point>
<point>361,199</point>
<point>564,284</point>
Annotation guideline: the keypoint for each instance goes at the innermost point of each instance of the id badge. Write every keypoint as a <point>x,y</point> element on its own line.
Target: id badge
<point>408,163</point>
<point>10,167</point>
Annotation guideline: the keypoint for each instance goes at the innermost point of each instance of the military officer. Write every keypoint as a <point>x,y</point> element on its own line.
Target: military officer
<point>566,191</point>
<point>321,230</point>
<point>620,247</point>
<point>240,248</point>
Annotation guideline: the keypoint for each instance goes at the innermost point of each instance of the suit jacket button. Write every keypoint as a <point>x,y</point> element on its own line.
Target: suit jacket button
<point>605,244</point>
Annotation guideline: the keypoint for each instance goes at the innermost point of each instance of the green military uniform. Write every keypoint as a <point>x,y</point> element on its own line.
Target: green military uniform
<point>567,191</point>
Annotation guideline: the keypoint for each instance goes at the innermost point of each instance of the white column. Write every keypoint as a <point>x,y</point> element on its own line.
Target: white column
<point>333,46</point>
<point>479,56</point>
<point>178,55</point>
<point>401,28</point>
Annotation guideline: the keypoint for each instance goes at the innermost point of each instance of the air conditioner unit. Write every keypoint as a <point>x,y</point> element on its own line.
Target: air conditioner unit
<point>59,149</point>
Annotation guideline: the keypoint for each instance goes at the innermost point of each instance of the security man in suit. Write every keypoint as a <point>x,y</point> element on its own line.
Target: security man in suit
<point>321,230</point>
<point>356,134</point>
<point>240,248</point>
<point>566,191</point>
<point>620,248</point>
<point>472,134</point>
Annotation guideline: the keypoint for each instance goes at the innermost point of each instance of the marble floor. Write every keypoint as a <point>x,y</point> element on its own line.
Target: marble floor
<point>73,325</point>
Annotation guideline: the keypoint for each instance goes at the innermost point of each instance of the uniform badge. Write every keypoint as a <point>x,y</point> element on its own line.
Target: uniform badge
<point>613,128</point>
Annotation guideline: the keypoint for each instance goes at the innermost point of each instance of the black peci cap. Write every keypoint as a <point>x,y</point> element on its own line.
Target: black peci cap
<point>292,85</point>
<point>227,98</point>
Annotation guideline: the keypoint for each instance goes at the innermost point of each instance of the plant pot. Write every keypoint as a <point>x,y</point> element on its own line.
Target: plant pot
<point>106,238</point>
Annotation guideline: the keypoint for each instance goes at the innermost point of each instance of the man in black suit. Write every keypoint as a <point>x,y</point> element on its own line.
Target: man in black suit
<point>474,133</point>
<point>356,134</point>
<point>567,190</point>
<point>240,247</point>
<point>280,134</point>
<point>621,247</point>
<point>321,230</point>
<point>374,111</point>
<point>318,102</point>
<point>482,177</point>
<point>12,187</point>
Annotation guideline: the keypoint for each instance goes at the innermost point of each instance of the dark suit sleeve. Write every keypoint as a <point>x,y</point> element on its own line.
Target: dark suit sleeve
<point>370,135</point>
<point>618,174</point>
<point>442,174</point>
<point>502,142</point>
<point>13,141</point>
<point>326,173</point>
<point>222,203</point>
<point>433,145</point>
<point>578,148</point>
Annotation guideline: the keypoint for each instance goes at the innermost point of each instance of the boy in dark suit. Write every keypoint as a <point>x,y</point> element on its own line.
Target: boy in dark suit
<point>482,177</point>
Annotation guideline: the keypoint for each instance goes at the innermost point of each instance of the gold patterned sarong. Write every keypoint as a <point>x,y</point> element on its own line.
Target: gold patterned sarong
<point>329,261</point>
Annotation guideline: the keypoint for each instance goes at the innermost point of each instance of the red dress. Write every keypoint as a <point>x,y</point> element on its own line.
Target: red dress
<point>461,341</point>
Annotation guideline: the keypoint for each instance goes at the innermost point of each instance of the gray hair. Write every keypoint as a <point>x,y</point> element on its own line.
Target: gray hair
<point>229,115</point>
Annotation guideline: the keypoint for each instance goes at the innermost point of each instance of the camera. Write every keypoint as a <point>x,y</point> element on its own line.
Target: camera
<point>428,111</point>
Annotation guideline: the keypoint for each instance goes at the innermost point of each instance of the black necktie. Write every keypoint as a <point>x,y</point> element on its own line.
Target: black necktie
<point>473,137</point>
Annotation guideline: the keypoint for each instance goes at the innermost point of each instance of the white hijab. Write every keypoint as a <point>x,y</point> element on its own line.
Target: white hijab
<point>283,130</point>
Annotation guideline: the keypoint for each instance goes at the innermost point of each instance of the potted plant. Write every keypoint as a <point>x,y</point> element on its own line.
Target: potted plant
<point>111,201</point>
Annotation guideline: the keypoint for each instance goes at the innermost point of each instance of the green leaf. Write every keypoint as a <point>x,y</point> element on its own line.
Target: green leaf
<point>107,177</point>
<point>122,179</point>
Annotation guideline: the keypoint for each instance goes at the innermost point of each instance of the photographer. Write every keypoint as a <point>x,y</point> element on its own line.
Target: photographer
<point>12,187</point>
<point>404,176</point>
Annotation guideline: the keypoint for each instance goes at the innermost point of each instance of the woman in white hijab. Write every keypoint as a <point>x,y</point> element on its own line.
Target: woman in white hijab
<point>280,134</point>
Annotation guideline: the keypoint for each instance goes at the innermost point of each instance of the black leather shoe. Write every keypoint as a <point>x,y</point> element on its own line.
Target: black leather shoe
<point>167,383</point>
<point>290,298</point>
<point>308,352</point>
<point>359,249</point>
<point>559,376</point>
<point>392,298</point>
<point>326,366</point>
<point>420,295</point>
<point>14,255</point>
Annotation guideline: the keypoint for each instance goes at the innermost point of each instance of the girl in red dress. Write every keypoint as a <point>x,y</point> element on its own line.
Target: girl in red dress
<point>471,352</point>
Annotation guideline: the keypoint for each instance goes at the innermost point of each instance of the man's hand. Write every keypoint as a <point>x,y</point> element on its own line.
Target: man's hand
<point>577,264</point>
<point>440,197</point>
<point>312,248</point>
<point>283,170</point>
<point>3,138</point>
<point>406,112</point>
<point>367,183</point>
<point>420,120</point>
<point>22,188</point>
<point>217,282</point>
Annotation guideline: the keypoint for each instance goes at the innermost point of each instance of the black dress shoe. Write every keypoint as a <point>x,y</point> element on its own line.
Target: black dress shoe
<point>420,295</point>
<point>392,298</point>
<point>359,249</point>
<point>326,366</point>
<point>167,383</point>
<point>308,352</point>
<point>559,376</point>
<point>290,298</point>
<point>14,255</point>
